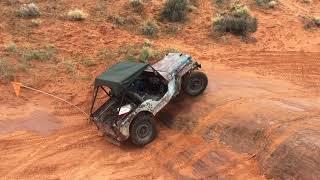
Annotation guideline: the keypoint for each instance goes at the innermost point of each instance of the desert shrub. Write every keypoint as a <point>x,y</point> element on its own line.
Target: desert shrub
<point>147,43</point>
<point>311,22</point>
<point>237,21</point>
<point>6,70</point>
<point>138,52</point>
<point>171,29</point>
<point>137,5</point>
<point>76,15</point>
<point>317,21</point>
<point>35,22</point>
<point>29,10</point>
<point>43,54</point>
<point>11,47</point>
<point>267,3</point>
<point>88,62</point>
<point>150,28</point>
<point>238,10</point>
<point>147,53</point>
<point>117,20</point>
<point>175,10</point>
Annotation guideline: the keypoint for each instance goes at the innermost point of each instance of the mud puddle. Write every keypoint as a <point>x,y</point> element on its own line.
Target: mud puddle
<point>38,121</point>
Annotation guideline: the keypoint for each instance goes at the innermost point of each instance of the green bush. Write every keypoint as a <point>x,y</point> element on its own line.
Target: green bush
<point>146,54</point>
<point>237,21</point>
<point>77,15</point>
<point>175,10</point>
<point>29,10</point>
<point>147,43</point>
<point>150,28</point>
<point>6,70</point>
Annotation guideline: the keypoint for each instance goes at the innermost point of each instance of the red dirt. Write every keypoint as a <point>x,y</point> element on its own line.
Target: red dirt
<point>259,117</point>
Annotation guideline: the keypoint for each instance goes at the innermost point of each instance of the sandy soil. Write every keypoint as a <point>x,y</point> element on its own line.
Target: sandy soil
<point>259,117</point>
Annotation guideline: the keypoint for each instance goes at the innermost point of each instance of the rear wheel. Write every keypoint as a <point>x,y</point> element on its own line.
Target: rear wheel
<point>195,83</point>
<point>143,130</point>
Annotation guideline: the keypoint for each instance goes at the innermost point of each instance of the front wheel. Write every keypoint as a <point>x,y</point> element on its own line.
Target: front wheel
<point>195,83</point>
<point>143,130</point>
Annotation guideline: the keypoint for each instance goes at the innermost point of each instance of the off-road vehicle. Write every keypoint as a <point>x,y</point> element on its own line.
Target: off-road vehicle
<point>138,91</point>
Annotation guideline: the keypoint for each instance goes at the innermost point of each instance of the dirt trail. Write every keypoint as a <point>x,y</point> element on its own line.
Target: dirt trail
<point>211,136</point>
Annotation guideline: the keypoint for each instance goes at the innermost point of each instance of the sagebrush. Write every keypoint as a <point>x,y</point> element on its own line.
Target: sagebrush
<point>150,28</point>
<point>137,5</point>
<point>175,10</point>
<point>238,20</point>
<point>147,53</point>
<point>29,10</point>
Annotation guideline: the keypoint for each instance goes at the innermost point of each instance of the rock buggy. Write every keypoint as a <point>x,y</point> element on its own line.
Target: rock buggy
<point>138,91</point>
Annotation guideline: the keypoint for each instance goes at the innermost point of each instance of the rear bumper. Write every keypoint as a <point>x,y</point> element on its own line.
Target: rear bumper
<point>104,128</point>
<point>109,130</point>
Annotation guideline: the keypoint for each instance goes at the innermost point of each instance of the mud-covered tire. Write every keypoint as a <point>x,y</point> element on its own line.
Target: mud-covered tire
<point>195,83</point>
<point>143,129</point>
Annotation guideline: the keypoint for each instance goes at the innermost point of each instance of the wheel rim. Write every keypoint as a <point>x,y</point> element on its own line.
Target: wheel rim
<point>143,131</point>
<point>196,84</point>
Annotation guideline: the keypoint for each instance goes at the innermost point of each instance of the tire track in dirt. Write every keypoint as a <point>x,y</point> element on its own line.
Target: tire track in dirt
<point>77,151</point>
<point>298,67</point>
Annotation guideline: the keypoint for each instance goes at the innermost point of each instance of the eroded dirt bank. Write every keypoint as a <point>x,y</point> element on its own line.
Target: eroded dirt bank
<point>243,127</point>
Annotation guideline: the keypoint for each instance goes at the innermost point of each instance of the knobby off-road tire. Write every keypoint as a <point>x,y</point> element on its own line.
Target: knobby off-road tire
<point>143,130</point>
<point>195,83</point>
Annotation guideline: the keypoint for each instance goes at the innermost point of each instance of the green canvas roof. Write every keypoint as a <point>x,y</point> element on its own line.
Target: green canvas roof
<point>120,75</point>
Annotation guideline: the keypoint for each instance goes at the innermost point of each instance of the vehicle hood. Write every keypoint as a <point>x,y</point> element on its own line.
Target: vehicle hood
<point>171,63</point>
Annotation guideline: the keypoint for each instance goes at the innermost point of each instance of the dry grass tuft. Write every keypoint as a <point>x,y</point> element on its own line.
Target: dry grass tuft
<point>76,15</point>
<point>6,70</point>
